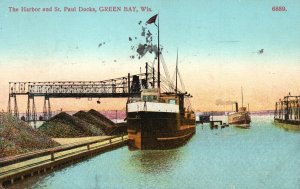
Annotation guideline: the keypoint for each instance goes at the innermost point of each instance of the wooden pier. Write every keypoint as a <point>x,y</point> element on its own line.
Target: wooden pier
<point>288,110</point>
<point>18,168</point>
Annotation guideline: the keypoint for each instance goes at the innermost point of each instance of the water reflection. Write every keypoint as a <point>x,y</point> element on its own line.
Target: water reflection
<point>287,127</point>
<point>97,183</point>
<point>156,161</point>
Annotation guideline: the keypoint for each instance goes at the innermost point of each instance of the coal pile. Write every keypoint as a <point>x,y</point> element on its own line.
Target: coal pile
<point>119,128</point>
<point>100,116</point>
<point>64,125</point>
<point>98,121</point>
<point>18,137</point>
<point>110,127</point>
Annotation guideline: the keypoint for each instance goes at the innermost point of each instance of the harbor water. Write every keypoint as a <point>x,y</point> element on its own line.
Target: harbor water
<point>265,156</point>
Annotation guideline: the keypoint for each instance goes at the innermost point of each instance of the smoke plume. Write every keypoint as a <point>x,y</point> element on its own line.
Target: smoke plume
<point>220,102</point>
<point>142,48</point>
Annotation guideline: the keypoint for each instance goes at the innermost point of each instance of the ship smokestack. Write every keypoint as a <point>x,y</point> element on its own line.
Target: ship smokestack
<point>236,107</point>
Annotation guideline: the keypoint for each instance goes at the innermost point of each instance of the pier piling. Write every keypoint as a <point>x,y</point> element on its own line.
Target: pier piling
<point>288,110</point>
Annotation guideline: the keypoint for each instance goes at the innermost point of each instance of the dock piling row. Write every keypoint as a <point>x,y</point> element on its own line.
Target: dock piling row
<point>288,110</point>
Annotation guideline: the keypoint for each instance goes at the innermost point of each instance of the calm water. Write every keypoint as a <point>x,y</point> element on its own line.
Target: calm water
<point>264,156</point>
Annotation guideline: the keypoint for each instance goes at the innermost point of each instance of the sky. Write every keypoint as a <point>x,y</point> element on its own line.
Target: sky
<point>218,43</point>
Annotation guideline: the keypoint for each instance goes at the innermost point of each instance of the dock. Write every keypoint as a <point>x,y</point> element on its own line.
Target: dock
<point>20,167</point>
<point>288,110</point>
<point>209,118</point>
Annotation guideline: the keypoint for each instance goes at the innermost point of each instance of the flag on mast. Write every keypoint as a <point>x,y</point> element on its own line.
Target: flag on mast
<point>152,19</point>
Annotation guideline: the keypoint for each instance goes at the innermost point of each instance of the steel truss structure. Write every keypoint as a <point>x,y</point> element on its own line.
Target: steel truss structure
<point>123,87</point>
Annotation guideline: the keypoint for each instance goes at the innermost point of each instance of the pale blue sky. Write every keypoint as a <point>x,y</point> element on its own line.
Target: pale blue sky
<point>196,27</point>
<point>218,42</point>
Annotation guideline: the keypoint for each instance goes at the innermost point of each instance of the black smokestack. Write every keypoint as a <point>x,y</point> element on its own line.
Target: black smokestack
<point>236,107</point>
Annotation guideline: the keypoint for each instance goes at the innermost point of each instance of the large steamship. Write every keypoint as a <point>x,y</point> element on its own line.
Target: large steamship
<point>156,119</point>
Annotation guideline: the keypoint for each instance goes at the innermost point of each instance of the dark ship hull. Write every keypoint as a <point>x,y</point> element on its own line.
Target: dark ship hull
<point>291,122</point>
<point>158,130</point>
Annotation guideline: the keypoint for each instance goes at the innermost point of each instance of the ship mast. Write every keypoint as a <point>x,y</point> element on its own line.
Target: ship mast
<point>176,72</point>
<point>158,58</point>
<point>150,21</point>
<point>242,96</point>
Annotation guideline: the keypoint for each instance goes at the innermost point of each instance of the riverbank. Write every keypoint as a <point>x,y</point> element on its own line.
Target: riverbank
<point>22,167</point>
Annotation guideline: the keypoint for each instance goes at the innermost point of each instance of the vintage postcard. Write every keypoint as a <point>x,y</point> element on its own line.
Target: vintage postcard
<point>149,94</point>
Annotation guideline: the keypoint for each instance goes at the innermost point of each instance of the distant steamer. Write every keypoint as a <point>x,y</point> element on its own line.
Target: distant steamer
<point>240,117</point>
